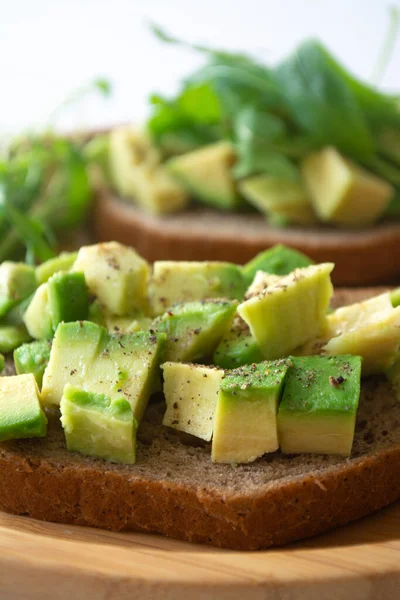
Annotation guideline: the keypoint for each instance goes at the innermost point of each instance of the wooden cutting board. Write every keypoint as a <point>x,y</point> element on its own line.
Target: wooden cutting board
<point>42,560</point>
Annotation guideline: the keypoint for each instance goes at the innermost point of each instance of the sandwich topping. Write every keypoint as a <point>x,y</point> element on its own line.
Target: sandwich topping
<point>250,359</point>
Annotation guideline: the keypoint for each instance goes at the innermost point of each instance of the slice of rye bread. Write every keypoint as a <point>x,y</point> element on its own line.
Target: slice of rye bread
<point>174,488</point>
<point>362,257</point>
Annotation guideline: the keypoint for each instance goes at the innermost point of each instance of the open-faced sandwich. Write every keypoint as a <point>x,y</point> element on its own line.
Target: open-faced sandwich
<point>246,156</point>
<point>231,405</point>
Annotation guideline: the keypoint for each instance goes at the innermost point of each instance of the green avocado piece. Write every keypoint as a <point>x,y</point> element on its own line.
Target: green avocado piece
<point>37,317</point>
<point>12,336</point>
<point>237,347</point>
<point>116,275</point>
<point>206,174</point>
<point>191,393</point>
<point>137,172</point>
<point>290,311</point>
<point>395,297</point>
<point>85,355</point>
<point>63,262</point>
<point>280,198</point>
<point>17,281</point>
<point>20,413</point>
<point>194,329</point>
<point>97,426</point>
<point>33,358</point>
<point>318,410</point>
<point>342,192</point>
<point>68,298</point>
<point>174,282</point>
<point>245,424</point>
<point>278,260</point>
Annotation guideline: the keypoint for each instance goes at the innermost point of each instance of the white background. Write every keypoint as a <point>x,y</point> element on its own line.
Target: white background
<point>48,48</point>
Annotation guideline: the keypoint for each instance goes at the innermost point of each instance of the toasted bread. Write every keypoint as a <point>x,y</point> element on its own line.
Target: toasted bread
<point>362,257</point>
<point>174,488</point>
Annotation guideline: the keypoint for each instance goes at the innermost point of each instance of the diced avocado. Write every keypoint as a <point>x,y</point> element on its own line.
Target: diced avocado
<point>17,281</point>
<point>237,347</point>
<point>278,260</point>
<point>12,336</point>
<point>37,317</point>
<point>206,175</point>
<point>87,356</point>
<point>377,341</point>
<point>342,192</point>
<point>15,316</point>
<point>290,312</point>
<point>194,329</point>
<point>20,413</point>
<point>318,410</point>
<point>245,424</point>
<point>68,298</point>
<point>115,324</point>
<point>191,393</point>
<point>260,282</point>
<point>62,262</point>
<point>286,199</point>
<point>2,362</point>
<point>184,281</point>
<point>33,358</point>
<point>97,426</point>
<point>116,274</point>
<point>137,173</point>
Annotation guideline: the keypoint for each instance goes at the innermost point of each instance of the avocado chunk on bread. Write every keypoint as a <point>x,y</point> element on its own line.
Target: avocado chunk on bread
<point>318,410</point>
<point>33,358</point>
<point>98,426</point>
<point>17,281</point>
<point>21,415</point>
<point>137,173</point>
<point>245,424</point>
<point>342,192</point>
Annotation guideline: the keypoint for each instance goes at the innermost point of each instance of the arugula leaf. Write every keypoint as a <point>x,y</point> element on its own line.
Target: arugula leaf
<point>321,101</point>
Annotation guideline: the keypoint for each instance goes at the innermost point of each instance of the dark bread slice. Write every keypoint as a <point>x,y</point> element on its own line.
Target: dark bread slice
<point>174,489</point>
<point>362,257</point>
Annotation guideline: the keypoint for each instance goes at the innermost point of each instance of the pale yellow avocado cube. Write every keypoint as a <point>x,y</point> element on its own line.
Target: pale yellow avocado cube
<point>37,317</point>
<point>287,199</point>
<point>342,192</point>
<point>377,341</point>
<point>191,393</point>
<point>116,274</point>
<point>291,311</point>
<point>137,172</point>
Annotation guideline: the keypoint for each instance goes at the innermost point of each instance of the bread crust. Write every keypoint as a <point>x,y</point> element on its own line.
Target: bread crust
<point>362,257</point>
<point>175,490</point>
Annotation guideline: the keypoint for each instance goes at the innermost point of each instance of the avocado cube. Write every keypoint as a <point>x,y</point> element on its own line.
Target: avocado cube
<point>280,198</point>
<point>278,260</point>
<point>291,311</point>
<point>116,274</point>
<point>395,297</point>
<point>237,347</point>
<point>33,358</point>
<point>191,393</point>
<point>63,262</point>
<point>97,426</point>
<point>85,355</point>
<point>206,174</point>
<point>137,172</point>
<point>342,192</point>
<point>12,336</point>
<point>17,281</point>
<point>245,425</point>
<point>194,329</point>
<point>68,298</point>
<point>20,413</point>
<point>377,341</point>
<point>319,405</point>
<point>173,282</point>
<point>37,317</point>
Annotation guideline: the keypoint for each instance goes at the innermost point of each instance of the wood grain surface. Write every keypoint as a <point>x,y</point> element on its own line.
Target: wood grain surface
<point>42,560</point>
